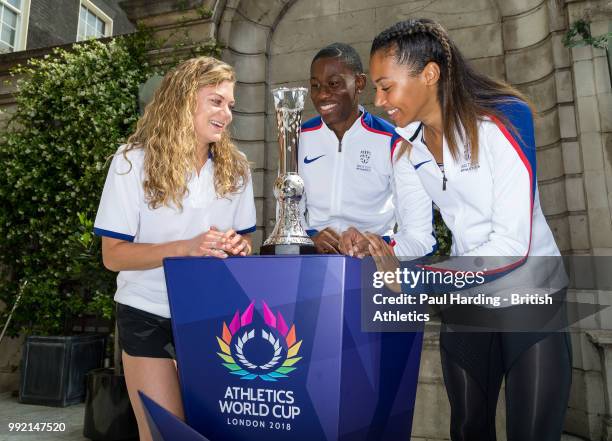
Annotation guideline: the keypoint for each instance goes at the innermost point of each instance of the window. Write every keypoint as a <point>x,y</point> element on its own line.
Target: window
<point>93,23</point>
<point>13,24</point>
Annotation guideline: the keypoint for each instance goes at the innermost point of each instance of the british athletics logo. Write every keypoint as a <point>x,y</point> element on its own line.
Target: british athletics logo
<point>269,352</point>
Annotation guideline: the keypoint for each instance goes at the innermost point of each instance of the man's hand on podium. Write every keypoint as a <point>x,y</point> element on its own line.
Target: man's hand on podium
<point>384,257</point>
<point>326,241</point>
<point>353,243</point>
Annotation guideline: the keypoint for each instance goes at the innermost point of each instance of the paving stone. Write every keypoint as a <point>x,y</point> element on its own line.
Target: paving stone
<point>13,411</point>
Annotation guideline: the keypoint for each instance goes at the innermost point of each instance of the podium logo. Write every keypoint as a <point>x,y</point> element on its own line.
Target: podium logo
<point>269,352</point>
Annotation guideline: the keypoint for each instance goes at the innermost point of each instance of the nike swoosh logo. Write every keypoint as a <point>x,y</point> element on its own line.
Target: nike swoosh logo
<point>308,161</point>
<point>421,163</point>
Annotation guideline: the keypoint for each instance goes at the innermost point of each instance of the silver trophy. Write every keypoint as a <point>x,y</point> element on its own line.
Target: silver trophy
<point>288,236</point>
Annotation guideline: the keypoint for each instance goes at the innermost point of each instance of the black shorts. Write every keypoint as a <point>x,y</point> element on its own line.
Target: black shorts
<point>142,334</point>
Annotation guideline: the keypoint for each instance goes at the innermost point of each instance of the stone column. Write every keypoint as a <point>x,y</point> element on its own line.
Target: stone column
<point>603,341</point>
<point>185,24</point>
<point>245,30</point>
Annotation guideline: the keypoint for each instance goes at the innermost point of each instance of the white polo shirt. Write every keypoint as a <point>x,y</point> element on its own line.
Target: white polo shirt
<point>124,214</point>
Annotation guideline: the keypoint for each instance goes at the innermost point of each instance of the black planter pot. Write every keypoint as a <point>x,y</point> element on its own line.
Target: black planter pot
<point>53,368</point>
<point>108,412</point>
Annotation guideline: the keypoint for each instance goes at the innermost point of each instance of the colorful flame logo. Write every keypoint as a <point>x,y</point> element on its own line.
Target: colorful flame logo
<point>233,341</point>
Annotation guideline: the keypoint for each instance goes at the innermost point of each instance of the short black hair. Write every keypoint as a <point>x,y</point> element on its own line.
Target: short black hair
<point>347,53</point>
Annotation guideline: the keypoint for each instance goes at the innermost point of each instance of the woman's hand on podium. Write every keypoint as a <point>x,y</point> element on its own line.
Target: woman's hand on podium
<point>237,244</point>
<point>211,243</point>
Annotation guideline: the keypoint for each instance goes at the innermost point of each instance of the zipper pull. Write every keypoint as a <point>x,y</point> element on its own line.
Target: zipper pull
<point>444,181</point>
<point>340,147</point>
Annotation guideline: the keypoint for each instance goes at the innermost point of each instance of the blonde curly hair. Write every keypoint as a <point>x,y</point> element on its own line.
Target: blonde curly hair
<point>167,135</point>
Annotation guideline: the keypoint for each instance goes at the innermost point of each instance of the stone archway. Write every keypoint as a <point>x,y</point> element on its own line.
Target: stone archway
<point>271,42</point>
<point>245,29</point>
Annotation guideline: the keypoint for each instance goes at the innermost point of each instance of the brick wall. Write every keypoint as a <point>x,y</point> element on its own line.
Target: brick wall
<point>55,22</point>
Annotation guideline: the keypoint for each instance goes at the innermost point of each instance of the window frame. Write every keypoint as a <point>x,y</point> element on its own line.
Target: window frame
<point>108,22</point>
<point>23,20</point>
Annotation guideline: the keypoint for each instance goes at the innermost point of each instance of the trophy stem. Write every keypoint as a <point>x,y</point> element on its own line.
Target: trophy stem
<point>288,235</point>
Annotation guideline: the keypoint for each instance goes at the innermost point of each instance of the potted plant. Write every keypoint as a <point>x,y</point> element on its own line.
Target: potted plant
<point>108,412</point>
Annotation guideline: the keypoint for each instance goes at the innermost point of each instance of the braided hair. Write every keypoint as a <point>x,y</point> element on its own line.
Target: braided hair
<point>345,52</point>
<point>466,96</point>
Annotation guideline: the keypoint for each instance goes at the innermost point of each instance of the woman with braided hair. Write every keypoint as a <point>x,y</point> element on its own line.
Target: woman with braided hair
<point>471,143</point>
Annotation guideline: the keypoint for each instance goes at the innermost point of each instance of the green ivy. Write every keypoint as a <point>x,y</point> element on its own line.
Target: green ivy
<point>74,108</point>
<point>579,34</point>
<point>443,235</point>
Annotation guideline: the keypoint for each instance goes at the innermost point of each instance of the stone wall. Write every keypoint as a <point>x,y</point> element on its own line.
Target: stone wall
<point>271,43</point>
<point>588,168</point>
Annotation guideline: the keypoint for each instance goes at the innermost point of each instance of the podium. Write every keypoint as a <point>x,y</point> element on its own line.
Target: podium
<point>271,347</point>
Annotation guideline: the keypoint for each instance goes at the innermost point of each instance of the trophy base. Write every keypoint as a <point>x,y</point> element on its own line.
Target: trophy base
<point>287,249</point>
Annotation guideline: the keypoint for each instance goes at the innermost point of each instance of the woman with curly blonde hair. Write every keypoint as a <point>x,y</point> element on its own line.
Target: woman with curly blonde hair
<point>179,187</point>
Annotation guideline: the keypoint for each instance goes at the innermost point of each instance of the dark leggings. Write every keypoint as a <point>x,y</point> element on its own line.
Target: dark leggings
<point>538,380</point>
